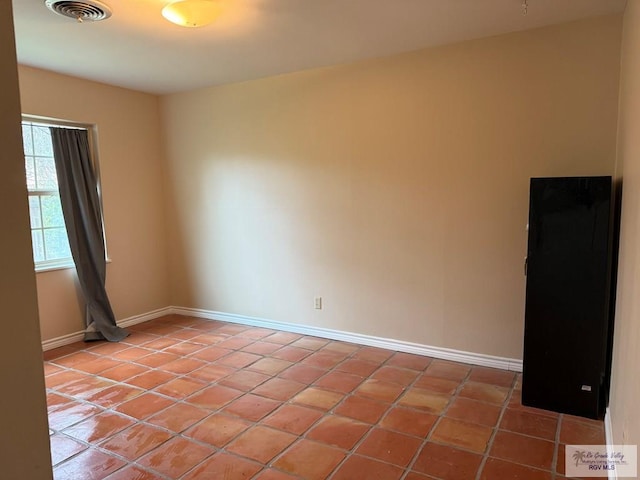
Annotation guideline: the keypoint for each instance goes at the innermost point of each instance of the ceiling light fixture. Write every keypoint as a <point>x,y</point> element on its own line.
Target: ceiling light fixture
<point>192,13</point>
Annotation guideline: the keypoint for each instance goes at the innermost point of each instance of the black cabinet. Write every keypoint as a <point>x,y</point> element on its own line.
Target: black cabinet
<point>568,320</point>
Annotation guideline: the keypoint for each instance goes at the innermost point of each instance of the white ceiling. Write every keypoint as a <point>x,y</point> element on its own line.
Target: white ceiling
<point>138,49</point>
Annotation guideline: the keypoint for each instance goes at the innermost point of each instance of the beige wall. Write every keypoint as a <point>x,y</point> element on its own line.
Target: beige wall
<point>625,388</point>
<point>396,189</point>
<point>130,156</point>
<point>24,438</point>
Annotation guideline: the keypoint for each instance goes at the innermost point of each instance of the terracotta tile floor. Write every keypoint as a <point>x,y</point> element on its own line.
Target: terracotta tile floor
<point>186,398</point>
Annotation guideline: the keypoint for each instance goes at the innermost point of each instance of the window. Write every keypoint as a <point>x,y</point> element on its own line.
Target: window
<point>48,233</point>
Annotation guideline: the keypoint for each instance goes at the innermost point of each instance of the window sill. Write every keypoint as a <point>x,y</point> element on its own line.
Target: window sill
<point>53,266</point>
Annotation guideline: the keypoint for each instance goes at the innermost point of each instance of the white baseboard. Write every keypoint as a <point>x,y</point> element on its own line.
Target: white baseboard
<point>125,322</point>
<point>360,339</point>
<point>357,338</point>
<point>609,440</point>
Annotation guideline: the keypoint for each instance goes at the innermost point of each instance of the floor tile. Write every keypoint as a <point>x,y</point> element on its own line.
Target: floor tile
<point>262,348</point>
<point>98,365</point>
<point>132,473</point>
<point>106,348</point>
<point>63,447</point>
<point>211,373</point>
<point>50,369</point>
<point>244,380</point>
<point>89,464</point>
<point>341,432</point>
<point>211,354</point>
<point>273,474</point>
<point>484,392</point>
<point>224,466</point>
<point>373,354</point>
<point>361,408</point>
<point>159,343</point>
<point>409,421</point>
<point>339,381</point>
<point>218,429</point>
<point>293,418</point>
<point>269,366</point>
<point>85,387</point>
<point>64,377</point>
<point>323,359</point>
<point>71,413</point>
<point>181,387</point>
<point>574,432</point>
<point>318,398</point>
<point>474,411</point>
<point>214,397</point>
<point>424,400</point>
<point>176,457</point>
<point>123,372</point>
<point>500,469</point>
<point>252,407</point>
<point>99,427</point>
<point>184,348</point>
<point>310,460</point>
<point>521,449</point>
<point>462,434</point>
<point>239,359</point>
<point>493,376</point>
<point>257,333</point>
<point>178,417</point>
<point>391,447</point>
<point>115,395</point>
<point>283,338</point>
<point>155,360</point>
<point>401,376</point>
<point>409,360</point>
<point>208,338</point>
<point>55,401</point>
<point>302,374</point>
<point>356,467</point>
<point>310,343</point>
<point>279,389</point>
<point>291,354</point>
<point>450,370</point>
<point>447,463</point>
<point>342,347</point>
<point>515,403</point>
<point>358,367</point>
<point>261,443</point>
<point>437,384</point>
<point>235,343</point>
<point>150,379</point>
<point>527,423</point>
<point>180,366</point>
<point>132,353</point>
<point>134,442</point>
<point>144,406</point>
<point>380,390</point>
<point>77,358</point>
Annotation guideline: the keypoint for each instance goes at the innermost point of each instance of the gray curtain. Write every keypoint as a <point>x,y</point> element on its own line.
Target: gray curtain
<point>82,215</point>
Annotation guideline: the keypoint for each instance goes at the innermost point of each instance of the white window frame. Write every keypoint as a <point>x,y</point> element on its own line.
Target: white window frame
<point>66,263</point>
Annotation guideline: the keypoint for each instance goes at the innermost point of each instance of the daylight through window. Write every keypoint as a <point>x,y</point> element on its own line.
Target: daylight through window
<point>48,232</point>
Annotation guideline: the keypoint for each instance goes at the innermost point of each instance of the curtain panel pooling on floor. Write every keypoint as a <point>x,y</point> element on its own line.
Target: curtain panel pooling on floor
<point>83,217</point>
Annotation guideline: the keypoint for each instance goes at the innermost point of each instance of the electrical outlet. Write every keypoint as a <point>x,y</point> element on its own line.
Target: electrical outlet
<point>318,303</point>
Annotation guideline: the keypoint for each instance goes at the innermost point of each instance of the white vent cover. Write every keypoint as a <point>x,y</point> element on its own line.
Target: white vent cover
<point>80,10</point>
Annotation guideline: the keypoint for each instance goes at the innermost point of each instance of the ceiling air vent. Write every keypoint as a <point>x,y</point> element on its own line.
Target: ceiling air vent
<point>80,10</point>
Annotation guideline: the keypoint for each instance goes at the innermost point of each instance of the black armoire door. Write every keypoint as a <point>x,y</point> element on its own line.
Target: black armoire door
<point>567,295</point>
